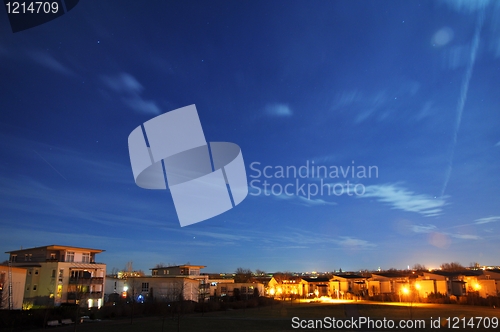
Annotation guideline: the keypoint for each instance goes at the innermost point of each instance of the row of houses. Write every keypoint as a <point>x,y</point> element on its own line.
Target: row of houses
<point>54,274</point>
<point>484,283</point>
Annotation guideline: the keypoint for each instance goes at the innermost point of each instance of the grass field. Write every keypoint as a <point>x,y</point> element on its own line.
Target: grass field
<point>279,317</point>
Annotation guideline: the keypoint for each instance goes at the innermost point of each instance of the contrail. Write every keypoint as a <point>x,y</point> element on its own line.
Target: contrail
<point>50,165</point>
<point>463,95</point>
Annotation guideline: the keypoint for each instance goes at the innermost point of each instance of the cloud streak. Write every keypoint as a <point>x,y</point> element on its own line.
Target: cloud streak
<point>130,90</point>
<point>463,96</point>
<point>278,110</point>
<point>51,63</point>
<point>403,199</point>
<point>487,220</point>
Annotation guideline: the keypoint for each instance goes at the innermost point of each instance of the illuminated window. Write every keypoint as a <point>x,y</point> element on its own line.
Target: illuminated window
<point>70,256</point>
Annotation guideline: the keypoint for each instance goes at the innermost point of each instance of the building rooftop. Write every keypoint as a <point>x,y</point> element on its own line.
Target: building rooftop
<point>57,247</point>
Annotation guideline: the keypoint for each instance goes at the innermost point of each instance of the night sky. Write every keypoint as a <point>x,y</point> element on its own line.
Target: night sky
<point>408,88</point>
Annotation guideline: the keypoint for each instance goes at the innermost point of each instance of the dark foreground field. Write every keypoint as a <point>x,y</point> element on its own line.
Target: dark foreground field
<point>279,318</point>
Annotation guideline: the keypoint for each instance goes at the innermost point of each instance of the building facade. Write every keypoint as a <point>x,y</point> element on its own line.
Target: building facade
<point>12,284</point>
<point>61,274</point>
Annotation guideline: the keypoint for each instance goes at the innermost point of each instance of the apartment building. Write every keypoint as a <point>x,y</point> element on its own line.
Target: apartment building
<point>58,274</point>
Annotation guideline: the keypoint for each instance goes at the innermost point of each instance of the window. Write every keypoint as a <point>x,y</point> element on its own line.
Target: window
<point>28,287</point>
<point>36,271</point>
<point>70,256</point>
<point>27,257</point>
<point>13,258</point>
<point>34,287</point>
<point>155,272</point>
<point>86,257</point>
<point>52,256</point>
<point>145,286</point>
<point>53,275</point>
<point>243,290</point>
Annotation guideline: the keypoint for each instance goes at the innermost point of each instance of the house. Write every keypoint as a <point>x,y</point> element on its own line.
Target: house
<point>318,286</point>
<point>344,286</point>
<point>240,290</point>
<point>191,271</point>
<point>395,283</point>
<point>214,285</point>
<point>61,274</point>
<point>431,283</point>
<point>283,286</point>
<point>459,283</point>
<point>486,281</point>
<point>12,283</point>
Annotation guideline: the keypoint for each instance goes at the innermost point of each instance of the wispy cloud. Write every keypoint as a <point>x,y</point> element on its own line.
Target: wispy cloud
<point>467,6</point>
<point>123,82</point>
<point>278,110</point>
<point>423,228</point>
<point>299,199</point>
<point>432,229</point>
<point>486,220</point>
<point>404,199</point>
<point>130,90</point>
<point>48,61</point>
<point>347,241</point>
<point>465,236</point>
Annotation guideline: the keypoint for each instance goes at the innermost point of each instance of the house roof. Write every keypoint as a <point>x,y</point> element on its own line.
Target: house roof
<point>57,247</point>
<point>390,274</point>
<point>467,273</point>
<point>316,279</point>
<point>180,266</point>
<point>349,276</point>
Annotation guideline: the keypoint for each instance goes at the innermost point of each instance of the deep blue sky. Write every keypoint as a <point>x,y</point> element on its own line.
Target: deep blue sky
<point>411,87</point>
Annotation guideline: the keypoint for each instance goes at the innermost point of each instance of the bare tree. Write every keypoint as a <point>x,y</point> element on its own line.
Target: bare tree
<point>260,273</point>
<point>453,267</point>
<point>419,267</point>
<point>243,275</point>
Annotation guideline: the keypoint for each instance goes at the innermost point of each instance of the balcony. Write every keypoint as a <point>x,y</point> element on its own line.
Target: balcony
<point>86,281</point>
